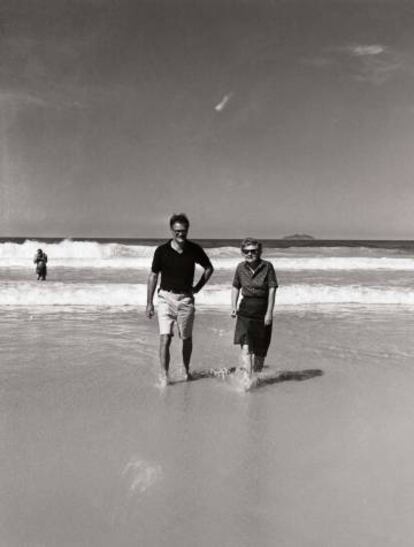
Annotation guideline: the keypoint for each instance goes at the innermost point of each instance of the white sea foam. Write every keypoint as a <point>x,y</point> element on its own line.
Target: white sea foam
<point>36,295</point>
<point>74,250</point>
<point>115,256</point>
<point>348,263</point>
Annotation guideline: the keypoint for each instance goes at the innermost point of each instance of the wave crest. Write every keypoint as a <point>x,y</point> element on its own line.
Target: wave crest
<point>36,295</point>
<point>91,254</point>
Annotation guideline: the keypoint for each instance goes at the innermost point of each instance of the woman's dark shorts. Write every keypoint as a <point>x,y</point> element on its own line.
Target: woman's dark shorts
<point>250,328</point>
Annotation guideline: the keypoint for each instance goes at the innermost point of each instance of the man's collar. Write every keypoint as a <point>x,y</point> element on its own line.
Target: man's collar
<point>177,250</point>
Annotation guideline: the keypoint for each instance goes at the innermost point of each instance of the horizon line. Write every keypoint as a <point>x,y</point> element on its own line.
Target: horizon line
<point>308,239</point>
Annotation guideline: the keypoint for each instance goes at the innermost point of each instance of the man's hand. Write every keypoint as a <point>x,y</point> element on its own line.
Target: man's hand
<point>234,312</point>
<point>149,312</point>
<point>268,319</point>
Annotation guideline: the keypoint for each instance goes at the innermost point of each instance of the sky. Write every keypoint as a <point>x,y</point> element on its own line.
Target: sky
<point>254,117</point>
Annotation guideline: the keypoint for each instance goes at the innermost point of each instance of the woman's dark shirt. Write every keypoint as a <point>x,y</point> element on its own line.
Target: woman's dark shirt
<point>255,283</point>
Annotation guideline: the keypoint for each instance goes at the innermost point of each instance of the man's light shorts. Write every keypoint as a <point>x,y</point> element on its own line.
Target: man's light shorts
<point>176,308</point>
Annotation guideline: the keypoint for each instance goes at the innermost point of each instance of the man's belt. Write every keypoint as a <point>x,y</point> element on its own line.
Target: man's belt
<point>176,291</point>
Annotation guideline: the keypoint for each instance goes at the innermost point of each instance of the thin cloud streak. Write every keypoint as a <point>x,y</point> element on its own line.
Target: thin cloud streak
<point>19,99</point>
<point>370,63</point>
<point>360,51</point>
<point>223,103</point>
<point>377,64</point>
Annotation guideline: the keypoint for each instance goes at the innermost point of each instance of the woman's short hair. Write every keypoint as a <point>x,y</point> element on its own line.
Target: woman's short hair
<point>181,218</point>
<point>251,242</point>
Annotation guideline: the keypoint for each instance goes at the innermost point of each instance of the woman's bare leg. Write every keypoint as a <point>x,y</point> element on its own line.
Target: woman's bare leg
<point>246,359</point>
<point>258,363</point>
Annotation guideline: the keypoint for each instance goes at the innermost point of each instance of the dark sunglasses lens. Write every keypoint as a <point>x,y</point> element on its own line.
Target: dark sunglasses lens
<point>249,251</point>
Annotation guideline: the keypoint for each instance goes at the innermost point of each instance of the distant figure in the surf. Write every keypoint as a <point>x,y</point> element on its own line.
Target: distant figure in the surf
<point>256,279</point>
<point>175,261</point>
<point>40,259</point>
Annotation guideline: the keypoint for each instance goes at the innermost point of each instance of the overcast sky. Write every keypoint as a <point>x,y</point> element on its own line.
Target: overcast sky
<point>258,117</point>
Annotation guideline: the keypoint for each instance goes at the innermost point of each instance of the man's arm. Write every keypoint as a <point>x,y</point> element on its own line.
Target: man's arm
<point>151,286</point>
<point>205,276</point>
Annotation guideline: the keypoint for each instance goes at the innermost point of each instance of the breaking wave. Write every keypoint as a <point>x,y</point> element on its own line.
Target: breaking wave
<point>36,295</point>
<point>90,254</point>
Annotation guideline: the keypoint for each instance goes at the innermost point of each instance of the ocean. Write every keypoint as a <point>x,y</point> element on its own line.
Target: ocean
<point>95,453</point>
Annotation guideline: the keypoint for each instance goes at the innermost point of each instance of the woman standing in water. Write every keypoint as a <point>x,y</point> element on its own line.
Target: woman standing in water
<point>256,279</point>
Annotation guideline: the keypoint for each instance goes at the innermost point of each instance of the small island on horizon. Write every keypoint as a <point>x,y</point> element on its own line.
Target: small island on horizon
<point>298,236</point>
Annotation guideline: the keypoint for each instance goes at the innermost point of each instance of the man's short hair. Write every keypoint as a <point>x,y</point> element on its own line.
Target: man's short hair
<point>181,218</point>
<point>251,242</point>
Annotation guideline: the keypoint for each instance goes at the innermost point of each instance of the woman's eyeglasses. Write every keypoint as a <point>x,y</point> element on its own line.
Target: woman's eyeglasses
<point>250,251</point>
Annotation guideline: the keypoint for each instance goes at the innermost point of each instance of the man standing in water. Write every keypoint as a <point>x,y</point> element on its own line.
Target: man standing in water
<point>176,261</point>
<point>40,259</point>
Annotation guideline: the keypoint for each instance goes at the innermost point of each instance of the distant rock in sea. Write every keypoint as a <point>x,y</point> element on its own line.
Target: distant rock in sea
<point>298,236</point>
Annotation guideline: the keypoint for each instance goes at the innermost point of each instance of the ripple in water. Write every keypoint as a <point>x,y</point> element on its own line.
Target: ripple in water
<point>141,475</point>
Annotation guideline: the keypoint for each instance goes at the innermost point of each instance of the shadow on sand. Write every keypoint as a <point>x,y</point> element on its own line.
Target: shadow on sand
<point>260,379</point>
<point>265,378</point>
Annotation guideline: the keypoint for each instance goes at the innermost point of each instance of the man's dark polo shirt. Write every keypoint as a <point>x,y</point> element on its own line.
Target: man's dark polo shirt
<point>177,269</point>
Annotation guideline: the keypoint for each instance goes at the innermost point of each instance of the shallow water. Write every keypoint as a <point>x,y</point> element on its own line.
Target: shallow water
<point>95,454</point>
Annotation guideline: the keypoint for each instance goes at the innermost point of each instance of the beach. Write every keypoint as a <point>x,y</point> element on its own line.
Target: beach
<point>284,124</point>
<point>95,453</point>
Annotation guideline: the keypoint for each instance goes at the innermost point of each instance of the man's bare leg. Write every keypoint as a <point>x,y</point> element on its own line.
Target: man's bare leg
<point>165,342</point>
<point>187,350</point>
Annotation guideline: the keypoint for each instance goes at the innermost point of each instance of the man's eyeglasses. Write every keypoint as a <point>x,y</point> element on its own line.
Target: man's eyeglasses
<point>177,232</point>
<point>250,251</point>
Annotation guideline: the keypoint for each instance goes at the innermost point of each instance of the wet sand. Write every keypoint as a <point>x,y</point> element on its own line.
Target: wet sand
<point>95,454</point>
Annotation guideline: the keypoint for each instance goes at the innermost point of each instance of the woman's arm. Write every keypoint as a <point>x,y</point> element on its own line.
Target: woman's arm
<point>270,305</point>
<point>234,299</point>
